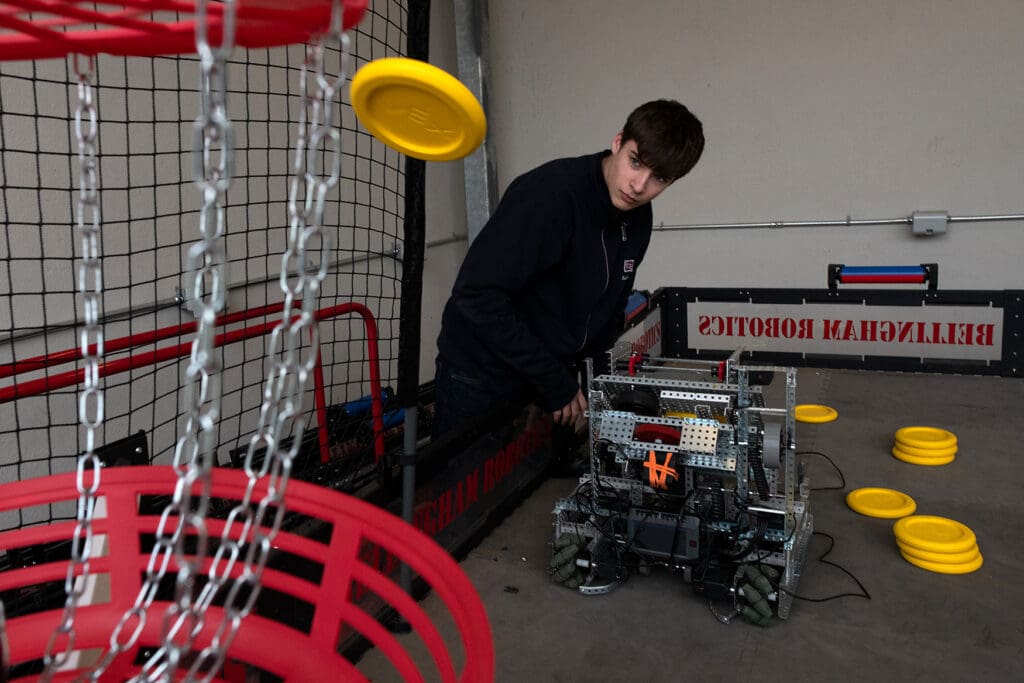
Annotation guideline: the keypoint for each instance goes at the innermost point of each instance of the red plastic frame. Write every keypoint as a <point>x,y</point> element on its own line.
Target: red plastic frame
<point>653,433</point>
<point>74,27</point>
<point>261,641</point>
<point>69,378</point>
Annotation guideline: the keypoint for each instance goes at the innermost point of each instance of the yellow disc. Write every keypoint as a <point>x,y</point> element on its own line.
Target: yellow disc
<point>878,502</point>
<point>926,452</point>
<point>936,534</point>
<point>918,460</point>
<point>941,558</point>
<point>813,413</point>
<point>941,568</point>
<point>926,437</point>
<point>418,109</point>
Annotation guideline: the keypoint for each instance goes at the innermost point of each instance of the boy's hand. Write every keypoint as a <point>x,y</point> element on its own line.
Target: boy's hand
<point>573,411</point>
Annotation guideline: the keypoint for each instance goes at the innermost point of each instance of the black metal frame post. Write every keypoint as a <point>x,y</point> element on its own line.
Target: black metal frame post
<point>418,40</point>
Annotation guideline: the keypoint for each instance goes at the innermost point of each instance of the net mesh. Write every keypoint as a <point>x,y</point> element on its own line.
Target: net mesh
<point>149,217</point>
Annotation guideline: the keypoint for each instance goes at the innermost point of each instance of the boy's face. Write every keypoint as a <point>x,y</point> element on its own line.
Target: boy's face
<point>630,183</point>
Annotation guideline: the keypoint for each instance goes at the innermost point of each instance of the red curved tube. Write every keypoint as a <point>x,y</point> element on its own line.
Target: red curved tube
<point>73,377</point>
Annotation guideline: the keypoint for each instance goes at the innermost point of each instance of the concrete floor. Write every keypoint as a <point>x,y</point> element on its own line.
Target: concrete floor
<point>918,625</point>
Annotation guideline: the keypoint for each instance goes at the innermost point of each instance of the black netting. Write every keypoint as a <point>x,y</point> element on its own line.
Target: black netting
<point>150,215</point>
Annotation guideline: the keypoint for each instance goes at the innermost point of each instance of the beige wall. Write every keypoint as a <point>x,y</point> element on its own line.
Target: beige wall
<point>813,109</point>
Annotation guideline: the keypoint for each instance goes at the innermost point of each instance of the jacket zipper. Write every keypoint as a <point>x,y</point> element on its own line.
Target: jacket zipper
<point>607,280</point>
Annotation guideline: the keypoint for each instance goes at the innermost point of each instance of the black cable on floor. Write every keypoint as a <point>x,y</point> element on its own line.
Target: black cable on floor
<point>832,542</point>
<point>842,479</point>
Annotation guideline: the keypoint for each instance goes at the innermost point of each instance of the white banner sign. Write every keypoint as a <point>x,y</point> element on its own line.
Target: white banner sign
<point>939,332</point>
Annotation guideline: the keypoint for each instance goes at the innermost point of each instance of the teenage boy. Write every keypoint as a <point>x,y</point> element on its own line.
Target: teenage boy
<point>545,283</point>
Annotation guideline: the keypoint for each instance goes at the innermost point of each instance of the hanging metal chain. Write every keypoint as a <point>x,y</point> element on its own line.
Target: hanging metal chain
<point>293,349</point>
<point>184,518</point>
<point>90,344</point>
<point>282,412</point>
<point>213,155</point>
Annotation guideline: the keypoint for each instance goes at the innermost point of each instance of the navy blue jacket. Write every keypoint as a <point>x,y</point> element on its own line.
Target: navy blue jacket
<point>545,283</point>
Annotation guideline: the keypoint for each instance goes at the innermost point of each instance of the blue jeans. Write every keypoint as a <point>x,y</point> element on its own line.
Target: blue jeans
<point>460,396</point>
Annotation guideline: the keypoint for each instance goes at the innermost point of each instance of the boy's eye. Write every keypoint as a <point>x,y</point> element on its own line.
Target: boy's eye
<point>662,179</point>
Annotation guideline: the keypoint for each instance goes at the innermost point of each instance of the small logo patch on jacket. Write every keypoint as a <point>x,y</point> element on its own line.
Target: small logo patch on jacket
<point>627,266</point>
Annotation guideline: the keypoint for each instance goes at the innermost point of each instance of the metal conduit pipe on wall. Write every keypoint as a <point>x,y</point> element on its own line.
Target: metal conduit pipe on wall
<point>180,299</point>
<point>395,253</point>
<point>847,222</point>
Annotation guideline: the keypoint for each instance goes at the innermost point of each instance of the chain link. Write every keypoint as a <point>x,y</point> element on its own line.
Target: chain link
<point>90,343</point>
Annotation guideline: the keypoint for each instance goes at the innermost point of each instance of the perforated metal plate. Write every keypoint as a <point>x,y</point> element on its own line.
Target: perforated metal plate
<point>712,463</point>
<point>617,426</point>
<point>702,404</point>
<point>699,438</point>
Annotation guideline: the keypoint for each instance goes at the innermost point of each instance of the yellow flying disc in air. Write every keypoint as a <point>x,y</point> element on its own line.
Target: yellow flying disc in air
<point>813,413</point>
<point>879,502</point>
<point>418,109</point>
<point>935,534</point>
<point>926,437</point>
<point>899,454</point>
<point>943,568</point>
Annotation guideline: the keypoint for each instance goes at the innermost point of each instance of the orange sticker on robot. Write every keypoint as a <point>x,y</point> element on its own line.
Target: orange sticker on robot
<point>658,474</point>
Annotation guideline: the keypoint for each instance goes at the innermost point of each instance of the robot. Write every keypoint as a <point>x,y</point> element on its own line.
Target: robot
<point>689,471</point>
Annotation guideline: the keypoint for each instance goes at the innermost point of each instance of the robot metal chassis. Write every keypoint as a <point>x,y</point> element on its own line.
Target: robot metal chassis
<point>699,477</point>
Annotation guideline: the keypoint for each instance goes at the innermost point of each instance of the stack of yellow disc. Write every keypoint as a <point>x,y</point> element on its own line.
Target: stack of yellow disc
<point>938,544</point>
<point>924,446</point>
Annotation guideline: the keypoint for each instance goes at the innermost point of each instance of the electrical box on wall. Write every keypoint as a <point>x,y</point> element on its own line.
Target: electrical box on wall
<point>930,223</point>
